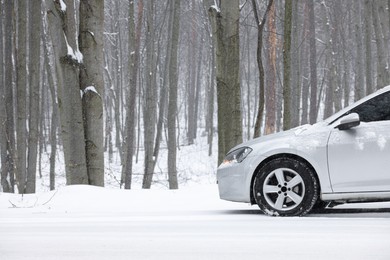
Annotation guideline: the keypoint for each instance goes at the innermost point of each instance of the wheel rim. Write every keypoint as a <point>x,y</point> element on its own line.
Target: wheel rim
<point>284,189</point>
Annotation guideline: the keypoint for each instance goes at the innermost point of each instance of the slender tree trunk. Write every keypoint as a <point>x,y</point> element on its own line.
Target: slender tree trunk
<point>260,30</point>
<point>287,65</point>
<point>172,99</point>
<point>211,85</point>
<point>34,72</point>
<point>198,84</point>
<point>134,47</point>
<point>346,62</point>
<point>270,104</point>
<point>367,40</point>
<point>295,64</point>
<point>54,116</point>
<point>92,85</point>
<point>108,107</point>
<point>21,96</point>
<point>150,99</point>
<point>210,108</point>
<point>3,177</point>
<point>359,77</point>
<point>305,67</point>
<point>313,64</point>
<point>192,51</point>
<point>329,89</point>
<point>334,73</point>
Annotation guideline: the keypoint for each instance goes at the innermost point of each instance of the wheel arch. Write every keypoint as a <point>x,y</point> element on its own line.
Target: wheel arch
<point>276,156</point>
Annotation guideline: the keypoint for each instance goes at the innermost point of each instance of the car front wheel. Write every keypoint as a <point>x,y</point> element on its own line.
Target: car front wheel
<point>285,187</point>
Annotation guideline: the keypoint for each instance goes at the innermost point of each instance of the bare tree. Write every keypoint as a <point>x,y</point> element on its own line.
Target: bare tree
<point>270,104</point>
<point>3,175</point>
<point>172,99</point>
<point>367,42</point>
<point>383,65</point>
<point>21,96</point>
<point>150,106</point>
<point>7,136</point>
<point>287,64</point>
<point>313,64</point>
<point>34,97</point>
<point>359,77</point>
<point>225,28</point>
<point>67,61</point>
<point>295,64</point>
<point>92,85</point>
<point>260,30</point>
<point>134,49</point>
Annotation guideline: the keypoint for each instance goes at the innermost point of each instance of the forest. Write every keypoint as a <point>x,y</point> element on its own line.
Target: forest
<point>85,82</point>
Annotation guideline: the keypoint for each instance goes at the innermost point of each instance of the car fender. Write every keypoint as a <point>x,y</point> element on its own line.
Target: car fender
<point>314,152</point>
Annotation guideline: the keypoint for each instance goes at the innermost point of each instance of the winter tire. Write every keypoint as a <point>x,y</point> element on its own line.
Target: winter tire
<point>285,187</point>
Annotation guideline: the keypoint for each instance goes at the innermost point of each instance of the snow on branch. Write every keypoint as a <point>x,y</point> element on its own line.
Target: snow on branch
<point>75,55</point>
<point>90,89</point>
<point>63,6</point>
<point>215,6</point>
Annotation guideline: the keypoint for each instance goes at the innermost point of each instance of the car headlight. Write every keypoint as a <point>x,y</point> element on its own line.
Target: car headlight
<point>236,156</point>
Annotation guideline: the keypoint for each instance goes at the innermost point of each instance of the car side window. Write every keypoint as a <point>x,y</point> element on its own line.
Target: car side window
<point>375,109</point>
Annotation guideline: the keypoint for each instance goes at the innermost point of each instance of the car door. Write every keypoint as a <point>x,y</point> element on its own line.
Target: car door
<point>359,158</point>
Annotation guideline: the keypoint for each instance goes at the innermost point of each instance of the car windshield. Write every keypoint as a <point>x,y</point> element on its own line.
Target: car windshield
<point>363,115</point>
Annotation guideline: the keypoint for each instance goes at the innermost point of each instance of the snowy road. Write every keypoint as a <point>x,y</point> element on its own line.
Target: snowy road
<point>158,225</point>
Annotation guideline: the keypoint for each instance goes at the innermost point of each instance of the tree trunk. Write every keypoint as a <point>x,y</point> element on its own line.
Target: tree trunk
<point>313,64</point>
<point>172,99</point>
<point>48,47</point>
<point>259,58</point>
<point>7,136</point>
<point>367,40</point>
<point>359,77</point>
<point>383,67</point>
<point>346,61</point>
<point>192,86</point>
<point>21,97</point>
<point>287,65</point>
<point>305,67</point>
<point>150,99</point>
<point>211,85</point>
<point>67,61</point>
<point>3,174</point>
<point>34,72</point>
<point>226,31</point>
<point>329,89</point>
<point>92,84</point>
<point>134,47</point>
<point>270,104</point>
<point>295,64</point>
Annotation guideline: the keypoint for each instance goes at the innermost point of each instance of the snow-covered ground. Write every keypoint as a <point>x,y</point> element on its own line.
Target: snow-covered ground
<point>83,222</point>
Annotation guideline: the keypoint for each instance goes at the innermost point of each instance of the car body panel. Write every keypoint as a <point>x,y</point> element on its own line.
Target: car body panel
<point>367,142</point>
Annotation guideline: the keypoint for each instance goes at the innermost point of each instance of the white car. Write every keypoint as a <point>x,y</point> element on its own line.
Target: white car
<point>345,158</point>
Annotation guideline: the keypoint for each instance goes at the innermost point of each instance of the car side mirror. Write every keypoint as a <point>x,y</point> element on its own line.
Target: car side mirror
<point>349,121</point>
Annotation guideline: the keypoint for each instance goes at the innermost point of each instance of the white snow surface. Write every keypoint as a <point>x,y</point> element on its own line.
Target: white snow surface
<point>85,222</point>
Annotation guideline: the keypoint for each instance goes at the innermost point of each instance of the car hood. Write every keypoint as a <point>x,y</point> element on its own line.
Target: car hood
<point>293,136</point>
